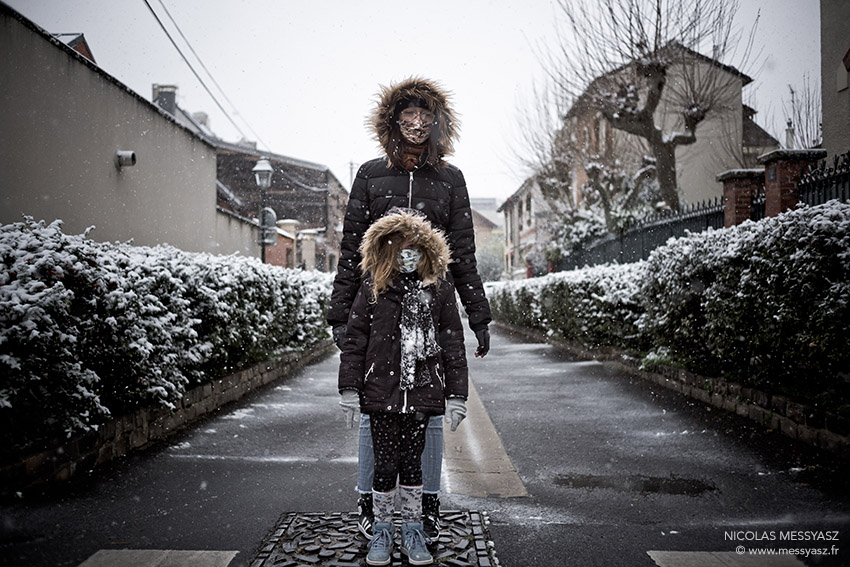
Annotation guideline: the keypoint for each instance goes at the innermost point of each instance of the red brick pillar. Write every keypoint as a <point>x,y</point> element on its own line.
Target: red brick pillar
<point>782,171</point>
<point>739,186</point>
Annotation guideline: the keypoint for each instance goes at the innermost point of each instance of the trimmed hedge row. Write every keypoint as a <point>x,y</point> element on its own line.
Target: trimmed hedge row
<point>89,330</point>
<point>766,304</point>
<point>596,306</point>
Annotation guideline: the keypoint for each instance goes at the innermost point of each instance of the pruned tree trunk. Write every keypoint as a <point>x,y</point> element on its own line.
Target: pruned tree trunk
<point>615,58</point>
<point>665,165</point>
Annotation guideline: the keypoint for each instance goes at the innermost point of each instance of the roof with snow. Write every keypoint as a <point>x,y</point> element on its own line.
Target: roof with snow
<point>583,98</point>
<point>80,57</point>
<point>516,194</point>
<point>755,136</point>
<point>479,220</point>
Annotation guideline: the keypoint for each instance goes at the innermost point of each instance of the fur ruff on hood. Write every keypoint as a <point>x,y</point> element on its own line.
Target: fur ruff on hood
<point>376,249</point>
<point>444,132</point>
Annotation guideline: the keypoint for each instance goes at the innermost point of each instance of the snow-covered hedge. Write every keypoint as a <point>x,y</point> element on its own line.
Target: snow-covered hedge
<point>765,303</point>
<point>596,306</point>
<point>89,330</point>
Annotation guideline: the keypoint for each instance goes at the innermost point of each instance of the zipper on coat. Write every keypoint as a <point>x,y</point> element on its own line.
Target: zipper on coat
<point>404,407</point>
<point>410,192</point>
<point>371,368</point>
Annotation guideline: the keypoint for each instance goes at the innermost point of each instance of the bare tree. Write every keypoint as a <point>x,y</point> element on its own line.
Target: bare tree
<point>616,57</point>
<point>542,149</point>
<point>802,111</point>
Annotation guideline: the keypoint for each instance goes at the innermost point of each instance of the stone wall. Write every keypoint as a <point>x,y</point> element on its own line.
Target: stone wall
<point>145,426</point>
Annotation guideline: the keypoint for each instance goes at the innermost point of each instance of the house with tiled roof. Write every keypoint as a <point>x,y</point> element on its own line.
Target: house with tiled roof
<point>82,147</point>
<point>308,199</point>
<point>727,138</point>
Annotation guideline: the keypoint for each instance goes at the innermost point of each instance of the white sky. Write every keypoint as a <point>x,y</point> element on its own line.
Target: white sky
<point>303,73</point>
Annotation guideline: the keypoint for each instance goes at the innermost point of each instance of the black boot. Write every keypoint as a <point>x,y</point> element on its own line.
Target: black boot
<point>431,516</point>
<point>367,517</point>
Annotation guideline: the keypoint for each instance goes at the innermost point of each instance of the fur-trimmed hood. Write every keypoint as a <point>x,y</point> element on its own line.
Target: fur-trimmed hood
<point>383,119</point>
<point>376,247</point>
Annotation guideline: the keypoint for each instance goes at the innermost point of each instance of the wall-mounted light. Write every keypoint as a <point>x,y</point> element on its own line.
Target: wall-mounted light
<point>125,158</point>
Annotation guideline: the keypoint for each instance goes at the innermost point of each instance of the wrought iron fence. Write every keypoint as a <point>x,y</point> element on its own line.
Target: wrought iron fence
<point>638,241</point>
<point>757,205</point>
<point>822,183</point>
<point>819,185</point>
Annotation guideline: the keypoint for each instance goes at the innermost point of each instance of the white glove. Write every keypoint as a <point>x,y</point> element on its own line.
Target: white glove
<point>350,404</point>
<point>455,411</point>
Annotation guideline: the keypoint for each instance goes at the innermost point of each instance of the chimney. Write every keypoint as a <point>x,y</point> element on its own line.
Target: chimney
<point>789,136</point>
<point>202,118</point>
<point>165,97</point>
<point>289,226</point>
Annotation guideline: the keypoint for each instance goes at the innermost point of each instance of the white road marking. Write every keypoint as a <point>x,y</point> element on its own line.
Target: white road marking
<point>265,458</point>
<point>158,558</point>
<point>720,559</point>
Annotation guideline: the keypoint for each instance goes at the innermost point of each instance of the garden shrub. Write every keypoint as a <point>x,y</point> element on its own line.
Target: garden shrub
<point>764,303</point>
<point>772,299</point>
<point>594,306</point>
<point>89,330</point>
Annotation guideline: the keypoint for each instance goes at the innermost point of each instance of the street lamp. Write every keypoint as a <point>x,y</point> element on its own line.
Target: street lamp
<point>263,176</point>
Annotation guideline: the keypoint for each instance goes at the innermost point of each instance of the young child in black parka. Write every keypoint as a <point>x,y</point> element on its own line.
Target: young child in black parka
<point>402,361</point>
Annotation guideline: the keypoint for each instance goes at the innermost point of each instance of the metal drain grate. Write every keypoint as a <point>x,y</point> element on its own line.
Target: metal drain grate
<point>333,540</point>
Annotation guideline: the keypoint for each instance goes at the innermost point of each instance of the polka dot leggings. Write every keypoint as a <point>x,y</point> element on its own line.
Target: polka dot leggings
<point>398,440</point>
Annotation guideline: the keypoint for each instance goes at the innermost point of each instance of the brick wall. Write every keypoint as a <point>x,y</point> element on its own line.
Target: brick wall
<point>780,177</point>
<point>739,186</point>
<point>780,190</point>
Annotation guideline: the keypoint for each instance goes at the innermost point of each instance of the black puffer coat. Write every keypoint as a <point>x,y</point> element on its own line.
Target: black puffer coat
<point>370,362</point>
<point>437,189</point>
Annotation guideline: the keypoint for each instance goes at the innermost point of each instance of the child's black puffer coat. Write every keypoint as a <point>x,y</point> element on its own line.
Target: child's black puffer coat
<point>370,362</point>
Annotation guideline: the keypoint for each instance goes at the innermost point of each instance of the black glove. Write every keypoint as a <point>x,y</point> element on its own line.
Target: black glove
<point>483,337</point>
<point>339,335</point>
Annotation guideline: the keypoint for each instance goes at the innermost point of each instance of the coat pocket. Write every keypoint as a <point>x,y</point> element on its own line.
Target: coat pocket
<point>439,372</point>
<point>378,383</point>
<point>432,394</point>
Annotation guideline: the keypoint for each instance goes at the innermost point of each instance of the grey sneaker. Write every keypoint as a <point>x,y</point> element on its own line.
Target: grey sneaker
<point>381,546</point>
<point>413,545</point>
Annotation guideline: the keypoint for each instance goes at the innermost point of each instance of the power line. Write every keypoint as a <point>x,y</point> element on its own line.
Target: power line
<point>197,76</point>
<point>209,74</point>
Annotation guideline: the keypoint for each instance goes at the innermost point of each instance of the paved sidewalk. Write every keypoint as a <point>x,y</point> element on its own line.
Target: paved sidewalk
<point>474,460</point>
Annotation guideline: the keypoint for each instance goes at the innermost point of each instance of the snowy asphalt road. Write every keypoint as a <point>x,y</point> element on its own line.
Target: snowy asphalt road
<point>613,469</point>
<point>616,469</point>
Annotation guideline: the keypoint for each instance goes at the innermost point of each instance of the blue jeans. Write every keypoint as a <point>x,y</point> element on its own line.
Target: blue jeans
<point>432,456</point>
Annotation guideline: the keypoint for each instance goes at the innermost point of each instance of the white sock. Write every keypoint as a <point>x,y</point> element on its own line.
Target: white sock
<point>411,504</point>
<point>383,505</point>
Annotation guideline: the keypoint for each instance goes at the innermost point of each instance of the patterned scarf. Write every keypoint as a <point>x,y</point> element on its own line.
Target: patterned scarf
<point>418,338</point>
